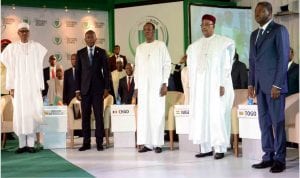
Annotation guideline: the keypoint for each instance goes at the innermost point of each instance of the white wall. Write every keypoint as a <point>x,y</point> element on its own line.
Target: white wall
<point>290,21</point>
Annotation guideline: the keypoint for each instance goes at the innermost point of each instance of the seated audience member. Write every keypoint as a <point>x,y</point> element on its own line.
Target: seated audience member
<point>117,75</point>
<point>239,74</point>
<point>126,85</point>
<point>55,91</point>
<point>293,74</point>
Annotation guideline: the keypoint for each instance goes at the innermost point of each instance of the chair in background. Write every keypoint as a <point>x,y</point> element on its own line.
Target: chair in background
<point>6,110</point>
<point>240,97</point>
<point>292,118</point>
<point>172,98</point>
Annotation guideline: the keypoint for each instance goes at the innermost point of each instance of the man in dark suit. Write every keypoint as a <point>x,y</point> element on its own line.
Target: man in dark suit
<point>69,82</point>
<point>293,75</point>
<point>268,61</point>
<point>239,73</point>
<point>92,76</point>
<point>49,73</point>
<point>113,59</point>
<point>126,85</point>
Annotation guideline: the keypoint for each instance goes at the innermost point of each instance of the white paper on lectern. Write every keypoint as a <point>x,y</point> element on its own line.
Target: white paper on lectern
<point>248,122</point>
<point>123,118</point>
<point>181,114</point>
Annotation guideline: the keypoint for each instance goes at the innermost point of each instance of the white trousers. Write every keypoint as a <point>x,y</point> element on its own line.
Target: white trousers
<point>26,140</point>
<point>206,147</point>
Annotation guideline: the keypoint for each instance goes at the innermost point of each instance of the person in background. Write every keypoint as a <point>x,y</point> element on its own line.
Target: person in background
<point>293,74</point>
<point>152,70</point>
<point>126,85</point>
<point>114,57</point>
<point>209,62</point>
<point>116,75</point>
<point>268,63</point>
<point>24,79</point>
<point>69,82</point>
<point>49,73</point>
<point>55,90</point>
<point>239,73</point>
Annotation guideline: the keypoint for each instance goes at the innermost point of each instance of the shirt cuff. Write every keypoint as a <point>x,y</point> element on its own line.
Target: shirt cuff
<point>276,87</point>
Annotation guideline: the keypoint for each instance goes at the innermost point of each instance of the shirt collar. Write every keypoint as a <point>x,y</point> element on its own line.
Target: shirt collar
<point>266,25</point>
<point>93,47</point>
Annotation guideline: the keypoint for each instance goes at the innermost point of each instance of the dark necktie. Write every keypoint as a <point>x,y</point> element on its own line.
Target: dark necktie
<point>91,56</point>
<point>73,73</point>
<point>128,84</point>
<point>259,35</point>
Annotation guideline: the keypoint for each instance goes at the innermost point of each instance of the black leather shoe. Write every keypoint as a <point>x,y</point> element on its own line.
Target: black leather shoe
<point>263,164</point>
<point>201,155</point>
<point>277,167</point>
<point>144,149</point>
<point>84,147</point>
<point>21,150</point>
<point>31,150</point>
<point>219,155</point>
<point>100,147</point>
<point>158,150</point>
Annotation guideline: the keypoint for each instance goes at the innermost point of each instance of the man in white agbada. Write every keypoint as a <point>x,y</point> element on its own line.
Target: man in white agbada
<point>152,70</point>
<point>24,62</point>
<point>117,74</point>
<point>209,62</point>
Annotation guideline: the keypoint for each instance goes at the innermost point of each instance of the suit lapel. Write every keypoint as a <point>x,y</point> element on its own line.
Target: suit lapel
<point>266,33</point>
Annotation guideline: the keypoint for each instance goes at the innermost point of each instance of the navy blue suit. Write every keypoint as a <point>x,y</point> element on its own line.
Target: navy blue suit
<point>91,80</point>
<point>268,63</point>
<point>126,96</point>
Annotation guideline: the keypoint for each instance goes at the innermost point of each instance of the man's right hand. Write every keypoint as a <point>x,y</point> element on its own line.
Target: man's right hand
<point>78,95</point>
<point>135,93</point>
<point>251,92</point>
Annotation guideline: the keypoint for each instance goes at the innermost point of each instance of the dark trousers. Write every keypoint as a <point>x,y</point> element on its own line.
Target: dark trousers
<point>89,101</point>
<point>272,126</point>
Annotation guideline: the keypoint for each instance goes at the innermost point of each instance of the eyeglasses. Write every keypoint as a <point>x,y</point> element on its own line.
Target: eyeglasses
<point>206,25</point>
<point>23,31</point>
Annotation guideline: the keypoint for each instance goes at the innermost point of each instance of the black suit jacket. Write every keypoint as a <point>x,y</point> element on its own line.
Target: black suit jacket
<point>125,95</point>
<point>239,75</point>
<point>92,78</point>
<point>46,72</point>
<point>293,79</point>
<point>112,62</point>
<point>69,86</point>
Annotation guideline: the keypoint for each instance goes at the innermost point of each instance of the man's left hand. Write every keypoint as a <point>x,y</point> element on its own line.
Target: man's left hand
<point>275,92</point>
<point>163,89</point>
<point>105,94</point>
<point>222,91</point>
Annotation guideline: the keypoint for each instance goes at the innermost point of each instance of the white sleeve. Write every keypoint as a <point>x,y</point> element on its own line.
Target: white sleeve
<point>8,60</point>
<point>136,69</point>
<point>226,64</point>
<point>166,64</point>
<point>42,52</point>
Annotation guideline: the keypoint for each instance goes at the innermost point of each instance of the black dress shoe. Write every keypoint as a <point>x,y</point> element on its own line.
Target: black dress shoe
<point>201,155</point>
<point>31,150</point>
<point>158,150</point>
<point>84,147</point>
<point>144,149</point>
<point>219,155</point>
<point>263,164</point>
<point>277,167</point>
<point>100,148</point>
<point>21,150</point>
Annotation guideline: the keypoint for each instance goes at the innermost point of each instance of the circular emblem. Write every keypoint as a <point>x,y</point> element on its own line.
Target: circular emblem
<point>136,34</point>
<point>58,56</point>
<point>27,20</point>
<point>86,25</point>
<point>57,40</point>
<point>56,23</point>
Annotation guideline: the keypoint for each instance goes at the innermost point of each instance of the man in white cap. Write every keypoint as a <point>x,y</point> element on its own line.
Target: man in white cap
<point>116,75</point>
<point>24,62</point>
